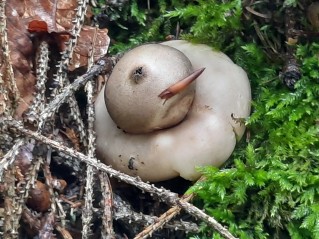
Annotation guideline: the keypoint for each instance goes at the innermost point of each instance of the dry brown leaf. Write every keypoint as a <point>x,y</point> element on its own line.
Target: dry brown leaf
<point>53,18</point>
<point>91,40</point>
<point>44,16</point>
<point>21,52</point>
<point>65,13</point>
<point>50,15</point>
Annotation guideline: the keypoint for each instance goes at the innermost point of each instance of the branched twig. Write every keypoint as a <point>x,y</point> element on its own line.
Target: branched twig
<point>15,200</point>
<point>18,197</point>
<point>107,219</point>
<point>165,195</point>
<point>36,106</point>
<point>38,103</point>
<point>15,203</point>
<point>22,145</point>
<point>23,192</point>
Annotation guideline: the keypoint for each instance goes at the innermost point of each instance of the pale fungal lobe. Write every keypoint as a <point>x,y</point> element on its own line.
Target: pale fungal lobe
<point>206,136</point>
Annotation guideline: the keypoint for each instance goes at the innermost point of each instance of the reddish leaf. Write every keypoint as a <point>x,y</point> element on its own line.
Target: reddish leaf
<point>38,26</point>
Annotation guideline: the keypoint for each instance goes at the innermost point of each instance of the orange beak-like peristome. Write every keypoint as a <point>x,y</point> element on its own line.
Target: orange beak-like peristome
<point>180,85</point>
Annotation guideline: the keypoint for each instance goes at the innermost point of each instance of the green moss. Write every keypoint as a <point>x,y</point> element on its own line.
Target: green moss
<point>271,190</point>
<point>208,19</point>
<point>137,22</point>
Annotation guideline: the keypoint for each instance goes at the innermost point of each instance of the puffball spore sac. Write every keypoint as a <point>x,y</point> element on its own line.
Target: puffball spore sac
<point>131,92</point>
<point>135,133</point>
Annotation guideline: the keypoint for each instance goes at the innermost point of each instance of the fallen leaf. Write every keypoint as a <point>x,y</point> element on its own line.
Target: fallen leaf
<point>21,55</point>
<point>52,21</point>
<point>91,40</point>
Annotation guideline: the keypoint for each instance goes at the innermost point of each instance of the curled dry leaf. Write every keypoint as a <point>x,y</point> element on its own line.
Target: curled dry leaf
<point>56,17</point>
<point>42,13</point>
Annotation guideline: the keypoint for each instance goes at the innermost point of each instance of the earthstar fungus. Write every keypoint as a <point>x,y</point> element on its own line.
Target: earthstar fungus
<point>155,121</point>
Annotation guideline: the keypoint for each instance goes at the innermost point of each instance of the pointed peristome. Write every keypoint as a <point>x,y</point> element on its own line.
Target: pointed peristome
<point>180,85</point>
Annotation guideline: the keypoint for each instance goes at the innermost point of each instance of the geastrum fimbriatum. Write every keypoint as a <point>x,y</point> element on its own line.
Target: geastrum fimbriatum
<point>168,108</point>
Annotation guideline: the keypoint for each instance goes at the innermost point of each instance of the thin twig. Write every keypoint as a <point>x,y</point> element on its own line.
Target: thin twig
<point>87,212</point>
<point>50,219</point>
<point>253,11</point>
